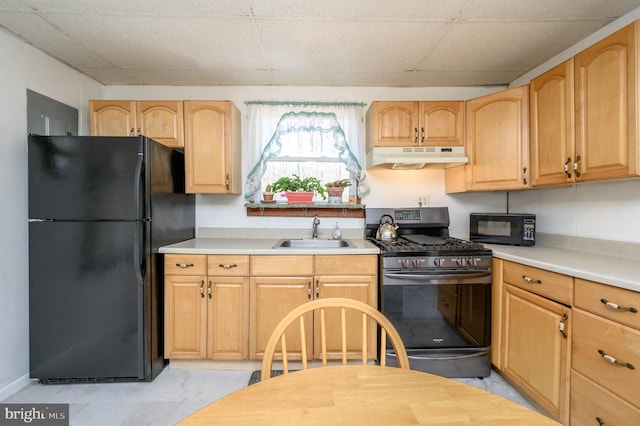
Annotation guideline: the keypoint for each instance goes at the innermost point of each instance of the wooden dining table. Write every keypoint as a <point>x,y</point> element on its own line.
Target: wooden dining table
<point>363,395</point>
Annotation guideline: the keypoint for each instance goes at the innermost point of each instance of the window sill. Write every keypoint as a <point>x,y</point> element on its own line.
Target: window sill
<point>306,210</point>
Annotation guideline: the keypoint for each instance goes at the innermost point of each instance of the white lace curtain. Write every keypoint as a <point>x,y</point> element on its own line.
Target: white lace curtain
<point>268,121</point>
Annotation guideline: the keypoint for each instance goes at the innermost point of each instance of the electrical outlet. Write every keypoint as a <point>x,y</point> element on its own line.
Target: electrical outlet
<point>423,201</point>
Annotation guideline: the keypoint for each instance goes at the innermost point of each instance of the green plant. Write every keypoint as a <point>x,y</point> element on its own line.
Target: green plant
<point>268,188</point>
<point>296,183</point>
<point>343,183</point>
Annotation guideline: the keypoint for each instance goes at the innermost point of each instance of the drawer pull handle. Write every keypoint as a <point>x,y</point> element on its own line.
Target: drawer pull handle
<point>618,307</point>
<point>228,266</point>
<point>184,265</point>
<point>209,289</point>
<point>202,289</point>
<point>600,421</point>
<point>612,360</point>
<point>531,280</point>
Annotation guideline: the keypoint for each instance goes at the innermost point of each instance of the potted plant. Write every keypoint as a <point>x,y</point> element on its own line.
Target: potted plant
<point>298,190</point>
<point>267,194</point>
<point>336,188</point>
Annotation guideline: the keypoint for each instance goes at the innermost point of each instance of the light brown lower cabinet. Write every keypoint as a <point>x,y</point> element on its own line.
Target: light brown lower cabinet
<point>280,283</point>
<point>206,307</point>
<point>605,355</point>
<point>225,307</point>
<point>535,352</point>
<point>588,378</point>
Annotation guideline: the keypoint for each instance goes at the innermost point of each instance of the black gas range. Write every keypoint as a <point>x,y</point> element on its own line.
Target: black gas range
<point>435,289</point>
<point>423,239</point>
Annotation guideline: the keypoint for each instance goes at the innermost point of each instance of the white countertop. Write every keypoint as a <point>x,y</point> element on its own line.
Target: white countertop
<point>619,272</point>
<point>614,271</point>
<point>260,246</point>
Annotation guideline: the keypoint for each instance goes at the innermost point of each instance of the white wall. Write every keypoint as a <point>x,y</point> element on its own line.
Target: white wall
<point>23,68</point>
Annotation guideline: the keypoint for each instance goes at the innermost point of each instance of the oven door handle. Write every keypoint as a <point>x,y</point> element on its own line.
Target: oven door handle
<point>477,354</point>
<point>457,275</point>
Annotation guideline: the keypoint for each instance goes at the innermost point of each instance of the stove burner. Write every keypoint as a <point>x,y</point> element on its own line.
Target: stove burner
<point>427,244</point>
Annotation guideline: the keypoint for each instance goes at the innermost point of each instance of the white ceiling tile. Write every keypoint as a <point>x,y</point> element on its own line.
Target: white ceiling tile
<point>394,43</point>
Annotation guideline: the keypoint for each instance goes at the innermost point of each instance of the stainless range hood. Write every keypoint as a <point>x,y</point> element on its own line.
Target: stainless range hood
<point>411,158</point>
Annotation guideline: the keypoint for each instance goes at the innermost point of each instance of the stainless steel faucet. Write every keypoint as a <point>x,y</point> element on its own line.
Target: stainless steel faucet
<point>316,222</point>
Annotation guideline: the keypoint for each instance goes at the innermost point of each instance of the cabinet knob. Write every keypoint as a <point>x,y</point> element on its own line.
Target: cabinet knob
<point>565,167</point>
<point>531,280</point>
<point>575,166</point>
<point>228,266</point>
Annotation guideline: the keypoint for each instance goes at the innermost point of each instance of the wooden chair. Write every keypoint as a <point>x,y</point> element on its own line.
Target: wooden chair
<point>386,329</point>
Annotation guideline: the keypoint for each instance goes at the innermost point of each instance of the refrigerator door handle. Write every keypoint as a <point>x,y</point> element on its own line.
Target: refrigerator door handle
<point>139,186</point>
<point>138,250</point>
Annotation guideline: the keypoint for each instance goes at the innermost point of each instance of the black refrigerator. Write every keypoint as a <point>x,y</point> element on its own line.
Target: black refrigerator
<point>99,209</point>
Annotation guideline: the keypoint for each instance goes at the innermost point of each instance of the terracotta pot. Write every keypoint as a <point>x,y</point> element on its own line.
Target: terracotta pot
<point>267,196</point>
<point>335,191</point>
<point>300,197</point>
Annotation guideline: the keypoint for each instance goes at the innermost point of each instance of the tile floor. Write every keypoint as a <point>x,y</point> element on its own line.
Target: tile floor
<point>173,395</point>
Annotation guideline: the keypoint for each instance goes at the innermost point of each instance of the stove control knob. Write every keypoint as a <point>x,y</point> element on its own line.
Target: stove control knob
<point>460,261</point>
<point>438,261</point>
<point>406,263</point>
<point>415,262</point>
<point>471,261</point>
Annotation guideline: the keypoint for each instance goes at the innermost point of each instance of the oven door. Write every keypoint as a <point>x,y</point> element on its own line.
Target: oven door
<point>443,317</point>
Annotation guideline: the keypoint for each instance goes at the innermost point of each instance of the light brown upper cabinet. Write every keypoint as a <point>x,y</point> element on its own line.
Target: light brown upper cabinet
<point>415,123</point>
<point>552,126</point>
<point>497,144</point>
<point>606,93</point>
<point>212,147</point>
<point>161,121</point>
<point>112,118</point>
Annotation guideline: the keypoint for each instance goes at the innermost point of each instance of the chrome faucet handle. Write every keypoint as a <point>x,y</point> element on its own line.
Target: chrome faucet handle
<point>316,222</point>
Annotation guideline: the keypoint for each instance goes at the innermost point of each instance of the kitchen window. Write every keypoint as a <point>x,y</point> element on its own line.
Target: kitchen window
<point>323,140</point>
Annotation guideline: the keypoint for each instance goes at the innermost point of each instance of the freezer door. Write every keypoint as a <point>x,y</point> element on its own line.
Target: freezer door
<point>87,300</point>
<point>86,178</point>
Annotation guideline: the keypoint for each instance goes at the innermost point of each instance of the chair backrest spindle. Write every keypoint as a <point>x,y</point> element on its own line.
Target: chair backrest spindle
<point>368,313</point>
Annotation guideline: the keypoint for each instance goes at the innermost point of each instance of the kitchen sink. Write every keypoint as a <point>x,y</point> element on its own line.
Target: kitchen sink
<point>313,243</point>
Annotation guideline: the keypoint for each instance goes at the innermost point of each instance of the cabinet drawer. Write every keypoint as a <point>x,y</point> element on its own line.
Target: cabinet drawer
<point>555,286</point>
<point>593,337</point>
<point>593,297</point>
<point>282,266</point>
<point>346,265</point>
<point>227,265</point>
<point>590,402</point>
<point>185,264</point>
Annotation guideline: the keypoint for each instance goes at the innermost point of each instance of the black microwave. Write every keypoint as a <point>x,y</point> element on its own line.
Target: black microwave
<point>517,229</point>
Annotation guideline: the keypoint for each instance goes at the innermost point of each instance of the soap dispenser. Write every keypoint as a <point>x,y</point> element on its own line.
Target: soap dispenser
<point>336,232</point>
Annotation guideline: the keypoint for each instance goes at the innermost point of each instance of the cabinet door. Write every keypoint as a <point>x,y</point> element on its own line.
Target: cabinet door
<point>393,124</point>
<point>161,121</point>
<point>497,141</point>
<point>441,123</point>
<point>271,299</point>
<point>606,113</point>
<point>185,317</point>
<point>112,118</point>
<point>362,288</point>
<point>211,147</point>
<point>228,318</point>
<point>552,126</point>
<point>535,353</point>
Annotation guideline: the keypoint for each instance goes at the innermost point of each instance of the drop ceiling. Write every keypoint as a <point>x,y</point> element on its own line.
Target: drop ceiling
<point>381,43</point>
